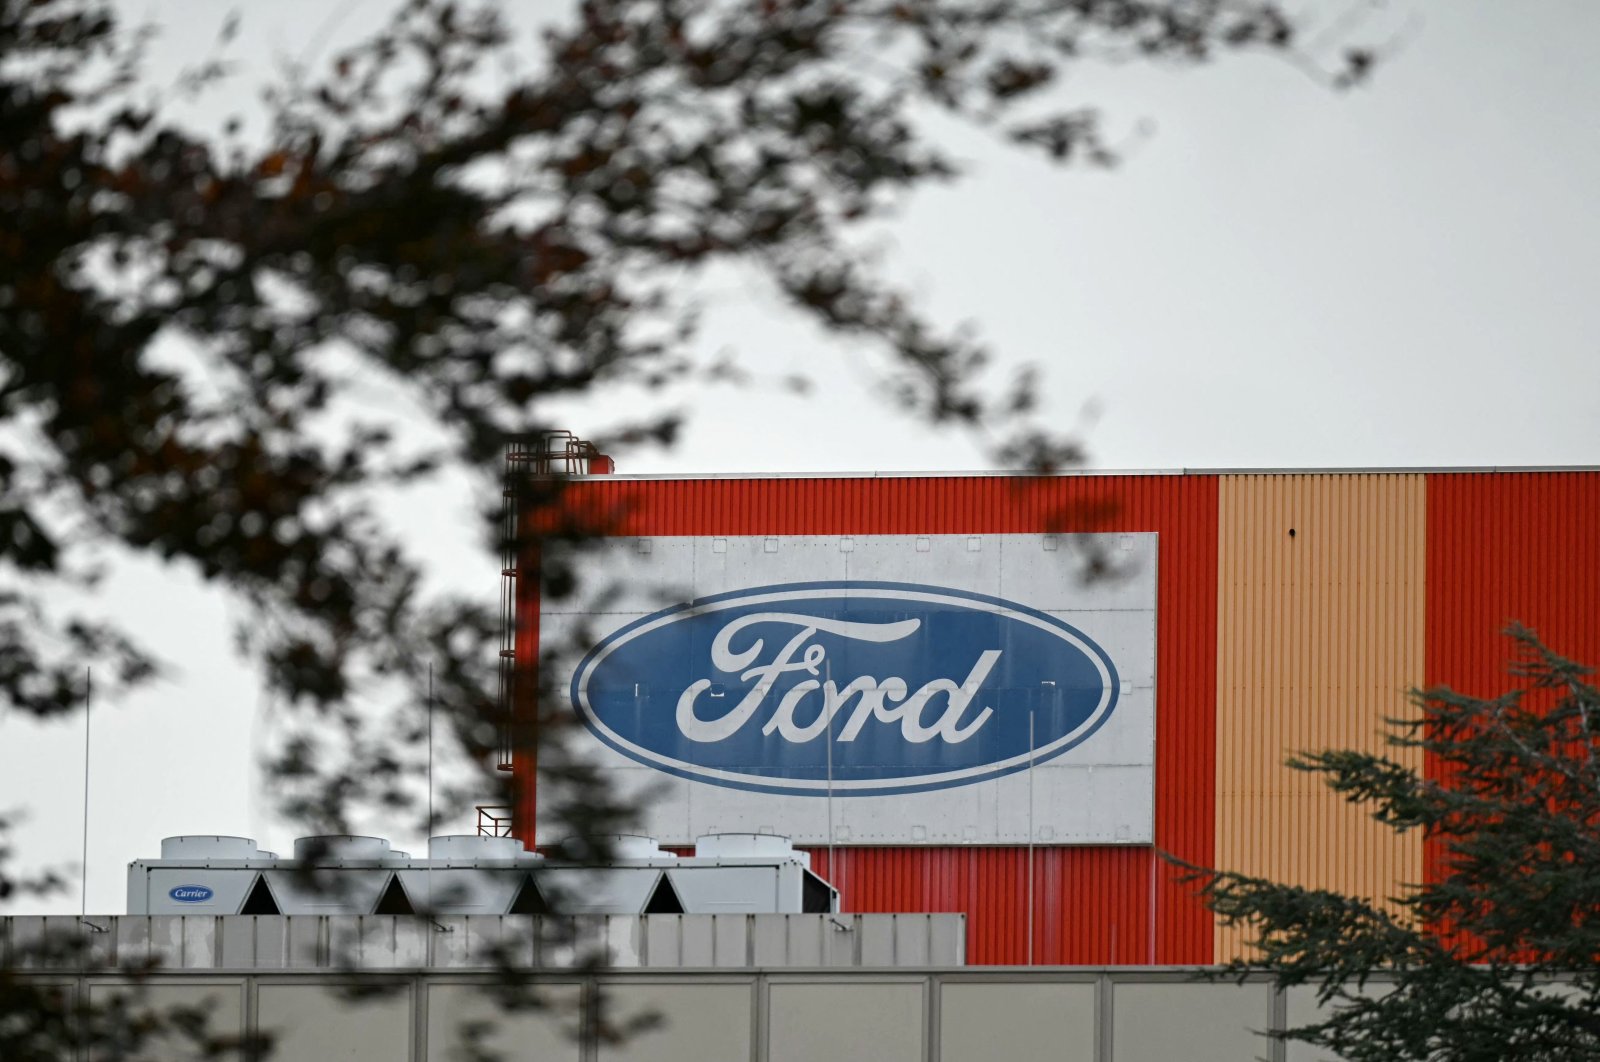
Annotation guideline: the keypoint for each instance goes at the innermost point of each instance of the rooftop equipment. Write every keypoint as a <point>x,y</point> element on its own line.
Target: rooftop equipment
<point>475,875</point>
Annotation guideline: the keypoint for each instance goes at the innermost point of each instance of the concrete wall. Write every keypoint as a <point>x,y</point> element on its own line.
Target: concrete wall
<point>467,942</point>
<point>951,1014</point>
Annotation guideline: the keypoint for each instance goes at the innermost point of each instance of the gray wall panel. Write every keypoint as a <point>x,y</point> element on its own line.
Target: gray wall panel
<point>1194,1022</point>
<point>857,1022</point>
<point>312,1023</point>
<point>1300,1008</point>
<point>731,940</point>
<point>1017,1022</point>
<point>463,1014</point>
<point>223,1003</point>
<point>697,1023</point>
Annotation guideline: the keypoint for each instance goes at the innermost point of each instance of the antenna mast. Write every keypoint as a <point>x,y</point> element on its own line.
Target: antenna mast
<point>427,830</point>
<point>88,705</point>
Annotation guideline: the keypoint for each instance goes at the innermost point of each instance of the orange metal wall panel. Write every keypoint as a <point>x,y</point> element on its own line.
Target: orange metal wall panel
<point>1509,547</point>
<point>1093,905</point>
<point>1320,614</point>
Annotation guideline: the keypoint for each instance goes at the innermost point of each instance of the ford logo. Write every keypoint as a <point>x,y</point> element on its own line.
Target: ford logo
<point>845,688</point>
<point>191,893</point>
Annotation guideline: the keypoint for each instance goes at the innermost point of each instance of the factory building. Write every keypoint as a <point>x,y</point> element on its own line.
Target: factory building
<point>912,753</point>
<point>1012,696</point>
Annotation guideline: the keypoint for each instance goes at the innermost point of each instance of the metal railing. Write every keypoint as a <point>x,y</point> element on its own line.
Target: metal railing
<point>494,820</point>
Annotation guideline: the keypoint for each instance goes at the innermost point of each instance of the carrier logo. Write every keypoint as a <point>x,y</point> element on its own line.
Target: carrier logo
<point>848,688</point>
<point>191,893</point>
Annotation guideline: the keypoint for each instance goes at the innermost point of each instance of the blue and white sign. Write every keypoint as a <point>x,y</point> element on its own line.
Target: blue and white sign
<point>845,688</point>
<point>191,894</point>
<point>876,690</point>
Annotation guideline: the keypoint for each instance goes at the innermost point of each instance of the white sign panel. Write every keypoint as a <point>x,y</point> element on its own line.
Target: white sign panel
<point>880,689</point>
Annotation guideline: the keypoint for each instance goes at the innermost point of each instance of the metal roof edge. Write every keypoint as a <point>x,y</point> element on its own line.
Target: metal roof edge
<point>1073,472</point>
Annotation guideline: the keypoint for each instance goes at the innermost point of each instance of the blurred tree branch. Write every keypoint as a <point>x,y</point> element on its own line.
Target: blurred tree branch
<point>189,325</point>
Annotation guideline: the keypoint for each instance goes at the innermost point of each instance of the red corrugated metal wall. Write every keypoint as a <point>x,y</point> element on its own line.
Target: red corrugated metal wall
<point>1509,547</point>
<point>524,765</point>
<point>1506,547</point>
<point>1092,904</point>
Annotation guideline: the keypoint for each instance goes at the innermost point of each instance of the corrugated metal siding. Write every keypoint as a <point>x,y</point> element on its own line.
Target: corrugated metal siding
<point>523,738</point>
<point>1506,547</point>
<point>1091,904</point>
<point>1082,893</point>
<point>1319,636</point>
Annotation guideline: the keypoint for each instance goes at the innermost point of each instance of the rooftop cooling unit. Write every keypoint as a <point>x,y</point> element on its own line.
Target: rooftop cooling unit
<point>465,875</point>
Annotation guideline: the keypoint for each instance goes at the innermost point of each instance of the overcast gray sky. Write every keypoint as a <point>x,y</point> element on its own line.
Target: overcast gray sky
<point>1277,276</point>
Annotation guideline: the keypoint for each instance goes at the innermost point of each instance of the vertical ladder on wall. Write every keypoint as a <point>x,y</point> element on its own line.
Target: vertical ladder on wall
<point>517,457</point>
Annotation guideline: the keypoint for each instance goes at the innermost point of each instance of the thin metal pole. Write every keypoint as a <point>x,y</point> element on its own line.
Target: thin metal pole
<point>428,829</point>
<point>427,832</point>
<point>1030,836</point>
<point>1154,927</point>
<point>833,870</point>
<point>88,705</point>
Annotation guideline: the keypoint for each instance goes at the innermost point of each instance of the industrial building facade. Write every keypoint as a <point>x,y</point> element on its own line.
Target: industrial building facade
<point>1291,611</point>
<point>762,988</point>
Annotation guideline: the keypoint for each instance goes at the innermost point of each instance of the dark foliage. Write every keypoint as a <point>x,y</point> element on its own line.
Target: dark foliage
<point>192,328</point>
<point>1497,956</point>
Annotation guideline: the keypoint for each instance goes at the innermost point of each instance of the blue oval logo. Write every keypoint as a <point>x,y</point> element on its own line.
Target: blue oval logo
<point>191,893</point>
<point>848,688</point>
